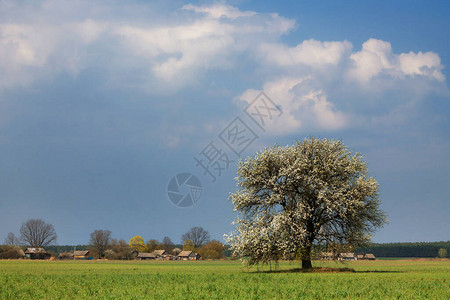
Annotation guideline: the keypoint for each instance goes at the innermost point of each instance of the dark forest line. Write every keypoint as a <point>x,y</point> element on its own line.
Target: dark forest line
<point>418,249</point>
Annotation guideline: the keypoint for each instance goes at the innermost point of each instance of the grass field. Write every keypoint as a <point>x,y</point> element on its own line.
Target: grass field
<point>400,279</point>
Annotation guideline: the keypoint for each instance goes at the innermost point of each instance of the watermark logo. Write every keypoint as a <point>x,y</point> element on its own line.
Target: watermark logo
<point>238,136</point>
<point>262,110</point>
<point>184,190</point>
<point>214,159</point>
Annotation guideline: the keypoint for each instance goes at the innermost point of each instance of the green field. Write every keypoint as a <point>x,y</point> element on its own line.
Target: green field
<point>400,279</point>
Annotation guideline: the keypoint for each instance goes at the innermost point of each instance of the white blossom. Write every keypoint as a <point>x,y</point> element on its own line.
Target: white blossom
<point>291,198</point>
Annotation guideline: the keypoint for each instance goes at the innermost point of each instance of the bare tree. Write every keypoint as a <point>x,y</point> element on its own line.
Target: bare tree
<point>167,244</point>
<point>11,239</point>
<point>152,245</point>
<point>37,233</point>
<point>197,235</point>
<point>100,240</point>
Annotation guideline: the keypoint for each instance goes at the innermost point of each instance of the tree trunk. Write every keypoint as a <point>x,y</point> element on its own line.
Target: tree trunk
<point>306,258</point>
<point>306,264</point>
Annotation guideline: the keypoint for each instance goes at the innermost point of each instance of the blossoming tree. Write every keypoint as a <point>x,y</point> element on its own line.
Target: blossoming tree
<point>294,197</point>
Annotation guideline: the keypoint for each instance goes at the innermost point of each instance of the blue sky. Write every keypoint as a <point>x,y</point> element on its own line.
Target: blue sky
<point>102,104</point>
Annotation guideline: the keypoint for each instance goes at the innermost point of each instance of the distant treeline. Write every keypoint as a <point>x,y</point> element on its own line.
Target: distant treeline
<point>64,248</point>
<point>422,249</point>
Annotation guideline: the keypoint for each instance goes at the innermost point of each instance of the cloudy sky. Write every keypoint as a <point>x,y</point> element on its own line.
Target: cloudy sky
<point>102,103</point>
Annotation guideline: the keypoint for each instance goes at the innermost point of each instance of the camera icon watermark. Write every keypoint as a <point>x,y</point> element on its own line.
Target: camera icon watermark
<point>184,190</point>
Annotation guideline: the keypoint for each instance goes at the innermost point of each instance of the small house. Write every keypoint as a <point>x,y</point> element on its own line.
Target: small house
<point>145,256</point>
<point>347,256</point>
<point>359,256</point>
<point>81,254</point>
<point>188,255</point>
<point>161,254</point>
<point>369,256</point>
<point>37,253</point>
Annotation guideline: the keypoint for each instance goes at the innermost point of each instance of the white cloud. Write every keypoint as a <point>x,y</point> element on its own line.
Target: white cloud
<point>312,78</point>
<point>174,52</point>
<point>376,58</point>
<point>167,54</point>
<point>317,77</point>
<point>304,107</point>
<point>178,50</point>
<point>427,64</point>
<point>22,49</point>
<point>220,10</point>
<point>89,30</point>
<point>31,51</point>
<point>17,46</point>
<point>310,52</point>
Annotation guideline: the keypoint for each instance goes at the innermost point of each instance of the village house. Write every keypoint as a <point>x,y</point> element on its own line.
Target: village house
<point>82,254</point>
<point>347,256</point>
<point>188,255</point>
<point>78,254</point>
<point>369,256</point>
<point>161,254</point>
<point>145,256</point>
<point>37,253</point>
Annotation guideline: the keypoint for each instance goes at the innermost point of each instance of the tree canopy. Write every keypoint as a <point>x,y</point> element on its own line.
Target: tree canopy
<point>188,245</point>
<point>152,245</point>
<point>212,250</point>
<point>100,240</point>
<point>167,244</point>
<point>37,233</point>
<point>197,235</point>
<point>11,239</point>
<point>137,243</point>
<point>291,198</point>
